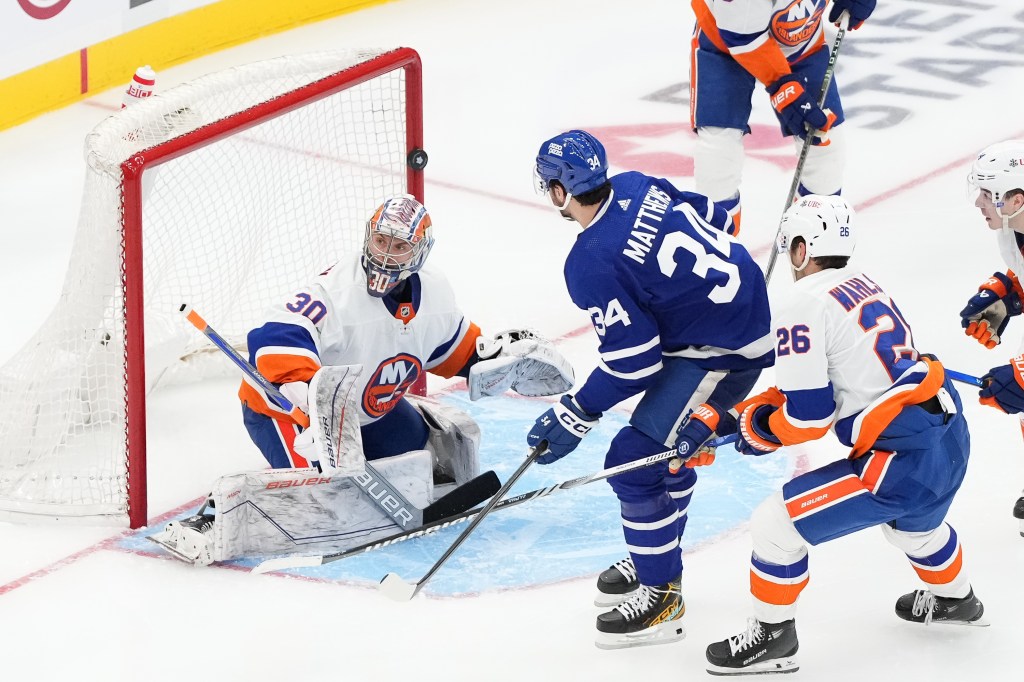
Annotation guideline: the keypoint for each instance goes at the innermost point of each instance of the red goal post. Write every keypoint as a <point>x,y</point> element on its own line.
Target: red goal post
<point>223,192</point>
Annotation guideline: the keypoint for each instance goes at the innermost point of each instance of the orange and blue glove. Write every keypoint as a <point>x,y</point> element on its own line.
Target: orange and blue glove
<point>755,434</point>
<point>1003,387</point>
<point>987,312</point>
<point>797,111</point>
<point>859,11</point>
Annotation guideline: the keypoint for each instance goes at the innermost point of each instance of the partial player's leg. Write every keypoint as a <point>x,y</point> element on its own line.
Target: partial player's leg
<point>778,573</point>
<point>820,505</point>
<point>650,524</point>
<point>937,557</point>
<point>720,105</point>
<point>931,545</point>
<point>825,164</point>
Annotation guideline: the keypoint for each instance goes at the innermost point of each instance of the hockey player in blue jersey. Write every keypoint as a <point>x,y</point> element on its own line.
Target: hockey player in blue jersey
<point>681,314</point>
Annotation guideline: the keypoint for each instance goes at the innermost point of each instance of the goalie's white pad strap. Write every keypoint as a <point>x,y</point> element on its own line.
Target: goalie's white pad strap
<point>530,367</point>
<point>299,510</point>
<point>334,419</point>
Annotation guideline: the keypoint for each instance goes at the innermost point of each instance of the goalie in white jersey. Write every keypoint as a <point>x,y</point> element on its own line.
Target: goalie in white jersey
<point>389,318</point>
<point>846,360</point>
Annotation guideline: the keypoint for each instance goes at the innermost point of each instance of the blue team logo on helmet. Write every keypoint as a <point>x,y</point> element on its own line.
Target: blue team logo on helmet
<point>576,159</point>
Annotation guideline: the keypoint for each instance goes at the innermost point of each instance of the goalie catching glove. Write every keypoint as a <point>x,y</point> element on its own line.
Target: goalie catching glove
<point>987,313</point>
<point>518,360</point>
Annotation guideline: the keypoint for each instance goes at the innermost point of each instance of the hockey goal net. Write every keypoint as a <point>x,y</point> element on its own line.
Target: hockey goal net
<point>223,193</point>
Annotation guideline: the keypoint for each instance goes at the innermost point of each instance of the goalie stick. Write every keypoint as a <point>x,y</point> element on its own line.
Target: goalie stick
<point>281,563</point>
<point>384,495</point>
<point>826,80</point>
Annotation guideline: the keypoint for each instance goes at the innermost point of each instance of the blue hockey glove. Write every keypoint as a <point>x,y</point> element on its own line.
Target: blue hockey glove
<point>756,437</point>
<point>1003,387</point>
<point>563,427</point>
<point>859,11</point>
<point>705,421</point>
<point>987,312</point>
<point>797,111</point>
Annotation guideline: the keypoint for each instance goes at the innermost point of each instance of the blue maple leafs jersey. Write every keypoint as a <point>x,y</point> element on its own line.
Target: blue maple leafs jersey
<point>660,276</point>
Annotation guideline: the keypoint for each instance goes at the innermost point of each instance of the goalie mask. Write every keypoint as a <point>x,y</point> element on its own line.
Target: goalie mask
<point>398,239</point>
<point>824,222</point>
<point>575,159</point>
<point>998,170</point>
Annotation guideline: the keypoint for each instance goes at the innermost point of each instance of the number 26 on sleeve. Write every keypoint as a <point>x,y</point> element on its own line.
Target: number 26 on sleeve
<point>793,339</point>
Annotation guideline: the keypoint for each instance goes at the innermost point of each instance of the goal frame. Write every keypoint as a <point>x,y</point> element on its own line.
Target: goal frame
<point>132,275</point>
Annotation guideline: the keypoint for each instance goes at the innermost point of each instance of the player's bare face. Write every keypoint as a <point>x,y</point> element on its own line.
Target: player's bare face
<point>988,210</point>
<point>390,252</point>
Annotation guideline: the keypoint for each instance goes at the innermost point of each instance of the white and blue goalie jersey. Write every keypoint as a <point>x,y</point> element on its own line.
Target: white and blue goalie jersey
<point>660,276</point>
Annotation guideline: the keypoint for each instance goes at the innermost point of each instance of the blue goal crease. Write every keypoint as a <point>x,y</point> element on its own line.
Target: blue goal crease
<point>568,535</point>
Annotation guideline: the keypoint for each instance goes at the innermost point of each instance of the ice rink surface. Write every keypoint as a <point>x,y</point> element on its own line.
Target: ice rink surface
<point>926,85</point>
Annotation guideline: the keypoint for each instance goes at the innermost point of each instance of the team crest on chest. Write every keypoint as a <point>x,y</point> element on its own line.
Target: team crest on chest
<point>389,382</point>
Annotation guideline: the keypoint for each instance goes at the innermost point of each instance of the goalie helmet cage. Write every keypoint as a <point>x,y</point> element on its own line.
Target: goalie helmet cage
<point>224,192</point>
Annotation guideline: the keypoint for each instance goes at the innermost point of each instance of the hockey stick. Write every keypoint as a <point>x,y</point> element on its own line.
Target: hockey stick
<point>397,589</point>
<point>281,563</point>
<point>384,495</point>
<point>964,378</point>
<point>826,81</point>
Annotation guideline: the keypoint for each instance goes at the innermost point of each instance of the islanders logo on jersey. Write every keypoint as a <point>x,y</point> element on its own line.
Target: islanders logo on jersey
<point>797,22</point>
<point>389,382</point>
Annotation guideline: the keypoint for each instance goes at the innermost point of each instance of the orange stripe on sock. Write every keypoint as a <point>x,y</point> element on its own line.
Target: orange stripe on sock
<point>946,575</point>
<point>775,593</point>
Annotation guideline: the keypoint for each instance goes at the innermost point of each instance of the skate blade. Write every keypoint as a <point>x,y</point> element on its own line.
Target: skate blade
<point>609,600</point>
<point>776,666</point>
<point>665,633</point>
<point>160,539</point>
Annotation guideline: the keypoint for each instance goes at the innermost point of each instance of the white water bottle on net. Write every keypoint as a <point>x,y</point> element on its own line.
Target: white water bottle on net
<point>224,193</point>
<point>140,87</point>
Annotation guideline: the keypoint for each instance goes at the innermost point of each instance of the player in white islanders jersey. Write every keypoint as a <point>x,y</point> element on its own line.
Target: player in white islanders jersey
<point>781,45</point>
<point>388,312</point>
<point>845,360</point>
<point>997,175</point>
<point>397,318</point>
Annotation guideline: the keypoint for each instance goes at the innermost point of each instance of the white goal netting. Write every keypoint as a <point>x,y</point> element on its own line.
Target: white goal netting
<point>264,176</point>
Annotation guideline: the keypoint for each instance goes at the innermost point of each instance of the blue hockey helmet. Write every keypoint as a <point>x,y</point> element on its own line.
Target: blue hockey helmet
<point>576,159</point>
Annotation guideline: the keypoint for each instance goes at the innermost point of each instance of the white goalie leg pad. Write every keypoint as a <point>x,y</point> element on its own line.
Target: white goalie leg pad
<point>824,166</point>
<point>718,162</point>
<point>334,419</point>
<point>454,439</point>
<point>521,361</point>
<point>298,510</point>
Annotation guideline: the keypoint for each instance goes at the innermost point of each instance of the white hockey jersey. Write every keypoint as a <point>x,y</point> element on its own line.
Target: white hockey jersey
<point>764,36</point>
<point>1010,249</point>
<point>844,351</point>
<point>334,321</point>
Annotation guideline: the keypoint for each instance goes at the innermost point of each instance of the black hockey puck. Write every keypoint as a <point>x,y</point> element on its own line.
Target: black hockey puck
<point>417,159</point>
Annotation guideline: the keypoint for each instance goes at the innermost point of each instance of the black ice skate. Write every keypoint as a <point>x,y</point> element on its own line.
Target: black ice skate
<point>617,583</point>
<point>650,616</point>
<point>190,539</point>
<point>921,606</point>
<point>764,649</point>
<point>1018,513</point>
